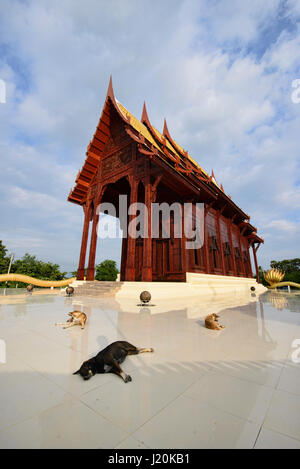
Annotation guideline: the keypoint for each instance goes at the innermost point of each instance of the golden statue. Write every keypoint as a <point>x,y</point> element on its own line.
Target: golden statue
<point>35,281</point>
<point>274,277</point>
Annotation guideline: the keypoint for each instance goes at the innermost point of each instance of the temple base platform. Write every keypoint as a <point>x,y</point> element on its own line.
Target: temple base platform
<point>196,286</point>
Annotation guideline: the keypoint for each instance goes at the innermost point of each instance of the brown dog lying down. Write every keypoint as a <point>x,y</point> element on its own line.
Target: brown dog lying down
<point>109,359</point>
<point>212,322</point>
<point>78,318</point>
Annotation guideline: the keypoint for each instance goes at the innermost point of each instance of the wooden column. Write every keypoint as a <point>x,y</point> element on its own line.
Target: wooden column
<point>190,254</point>
<point>231,247</point>
<point>249,261</point>
<point>241,254</point>
<point>220,244</point>
<point>183,244</point>
<point>90,275</point>
<point>147,251</point>
<point>123,225</point>
<point>206,250</point>
<point>154,190</point>
<point>123,258</point>
<point>255,262</point>
<point>131,241</point>
<point>84,239</point>
<point>189,263</point>
<point>171,244</point>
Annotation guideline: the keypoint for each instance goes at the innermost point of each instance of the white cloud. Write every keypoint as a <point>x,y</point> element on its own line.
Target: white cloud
<point>284,225</point>
<point>290,198</point>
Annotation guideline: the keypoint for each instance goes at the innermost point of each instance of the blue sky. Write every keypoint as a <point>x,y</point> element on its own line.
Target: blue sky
<point>221,73</point>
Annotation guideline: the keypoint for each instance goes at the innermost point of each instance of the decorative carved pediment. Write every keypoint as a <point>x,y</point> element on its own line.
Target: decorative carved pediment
<point>116,161</point>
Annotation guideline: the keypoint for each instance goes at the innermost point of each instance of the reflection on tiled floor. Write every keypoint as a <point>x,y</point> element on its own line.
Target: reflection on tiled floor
<point>237,388</point>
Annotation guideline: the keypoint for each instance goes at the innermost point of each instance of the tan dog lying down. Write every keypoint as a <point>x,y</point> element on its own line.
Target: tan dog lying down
<point>212,322</point>
<point>78,318</point>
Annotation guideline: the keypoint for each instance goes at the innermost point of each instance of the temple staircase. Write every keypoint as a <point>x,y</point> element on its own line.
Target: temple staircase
<point>97,288</point>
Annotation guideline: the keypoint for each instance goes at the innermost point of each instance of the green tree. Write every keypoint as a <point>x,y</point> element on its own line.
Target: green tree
<point>74,273</point>
<point>4,259</point>
<point>292,277</point>
<point>287,265</point>
<point>261,276</point>
<point>30,265</point>
<point>291,267</point>
<point>107,270</point>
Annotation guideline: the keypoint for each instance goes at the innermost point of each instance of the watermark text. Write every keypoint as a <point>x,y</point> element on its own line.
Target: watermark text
<point>164,221</point>
<point>295,96</point>
<point>296,353</point>
<point>2,351</point>
<point>2,91</point>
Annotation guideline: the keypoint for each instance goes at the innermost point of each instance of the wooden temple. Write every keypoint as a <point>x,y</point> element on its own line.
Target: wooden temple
<point>130,157</point>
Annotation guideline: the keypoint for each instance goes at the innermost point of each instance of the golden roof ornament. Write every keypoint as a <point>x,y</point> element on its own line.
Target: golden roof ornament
<point>274,276</point>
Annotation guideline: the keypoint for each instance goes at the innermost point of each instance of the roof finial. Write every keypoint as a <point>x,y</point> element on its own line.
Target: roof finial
<point>145,118</point>
<point>110,90</point>
<point>166,132</point>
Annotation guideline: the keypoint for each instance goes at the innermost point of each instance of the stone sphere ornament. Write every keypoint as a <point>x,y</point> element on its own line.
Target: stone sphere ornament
<point>30,287</point>
<point>145,297</point>
<point>69,291</point>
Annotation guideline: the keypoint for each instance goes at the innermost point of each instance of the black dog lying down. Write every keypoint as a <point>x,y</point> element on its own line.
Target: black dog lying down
<point>109,359</point>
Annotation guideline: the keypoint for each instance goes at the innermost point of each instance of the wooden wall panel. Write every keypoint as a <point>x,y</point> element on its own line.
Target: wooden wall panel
<point>214,248</point>
<point>226,247</point>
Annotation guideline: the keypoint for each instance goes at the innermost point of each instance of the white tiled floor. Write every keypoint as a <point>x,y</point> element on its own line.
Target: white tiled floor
<point>283,415</point>
<point>71,425</point>
<point>239,397</point>
<point>273,440</point>
<point>200,389</point>
<point>188,424</point>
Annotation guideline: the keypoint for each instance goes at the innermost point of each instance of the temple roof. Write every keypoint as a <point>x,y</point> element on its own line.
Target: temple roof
<point>147,136</point>
<point>144,130</point>
<point>162,144</point>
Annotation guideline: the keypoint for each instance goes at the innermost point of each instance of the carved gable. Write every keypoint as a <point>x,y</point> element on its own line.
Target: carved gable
<point>116,161</point>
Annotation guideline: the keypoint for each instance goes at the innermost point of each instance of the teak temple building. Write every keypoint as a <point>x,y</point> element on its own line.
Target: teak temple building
<point>130,157</point>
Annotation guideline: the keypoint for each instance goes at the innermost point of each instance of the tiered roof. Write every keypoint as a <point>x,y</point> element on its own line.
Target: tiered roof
<point>151,143</point>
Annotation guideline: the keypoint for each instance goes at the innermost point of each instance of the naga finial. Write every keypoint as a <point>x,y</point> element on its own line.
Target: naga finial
<point>274,276</point>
